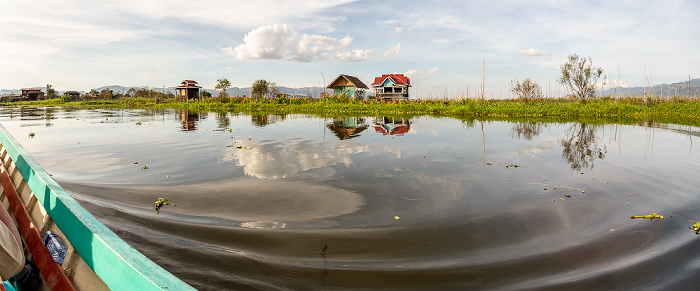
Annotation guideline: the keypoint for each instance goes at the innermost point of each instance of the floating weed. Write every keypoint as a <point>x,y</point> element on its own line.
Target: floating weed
<point>696,227</point>
<point>244,147</point>
<point>31,134</point>
<point>162,202</point>
<point>138,123</point>
<point>145,168</point>
<point>650,217</point>
<point>513,166</point>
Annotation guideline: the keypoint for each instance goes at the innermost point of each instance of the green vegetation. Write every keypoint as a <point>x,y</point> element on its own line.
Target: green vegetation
<point>669,110</point>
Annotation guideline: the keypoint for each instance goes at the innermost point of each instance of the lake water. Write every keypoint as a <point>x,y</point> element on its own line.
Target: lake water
<point>297,202</point>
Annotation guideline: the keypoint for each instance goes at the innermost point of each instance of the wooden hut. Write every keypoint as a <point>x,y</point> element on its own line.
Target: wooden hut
<point>351,86</point>
<point>74,95</point>
<point>32,94</point>
<point>392,87</point>
<point>188,90</point>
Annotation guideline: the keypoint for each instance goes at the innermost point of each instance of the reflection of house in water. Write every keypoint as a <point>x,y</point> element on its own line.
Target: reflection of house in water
<point>262,120</point>
<point>347,128</point>
<point>391,126</point>
<point>189,120</point>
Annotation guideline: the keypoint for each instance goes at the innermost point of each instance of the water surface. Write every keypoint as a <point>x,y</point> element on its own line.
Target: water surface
<point>296,202</point>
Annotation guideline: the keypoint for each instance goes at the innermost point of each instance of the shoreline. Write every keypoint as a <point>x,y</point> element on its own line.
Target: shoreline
<point>684,111</point>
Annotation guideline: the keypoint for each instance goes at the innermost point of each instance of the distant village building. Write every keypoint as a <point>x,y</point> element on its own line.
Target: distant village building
<point>391,87</point>
<point>188,90</point>
<point>32,94</point>
<point>74,95</point>
<point>349,85</point>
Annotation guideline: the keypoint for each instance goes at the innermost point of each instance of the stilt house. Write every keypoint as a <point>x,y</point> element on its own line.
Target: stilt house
<point>188,90</point>
<point>32,94</point>
<point>351,86</point>
<point>391,87</point>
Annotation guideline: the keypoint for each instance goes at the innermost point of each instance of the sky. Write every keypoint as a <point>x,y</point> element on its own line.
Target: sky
<point>447,48</point>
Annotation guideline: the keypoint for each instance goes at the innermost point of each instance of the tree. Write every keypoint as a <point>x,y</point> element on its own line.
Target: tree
<point>260,87</point>
<point>131,92</point>
<point>580,76</point>
<point>93,92</point>
<point>527,89</point>
<point>273,89</point>
<point>50,92</point>
<point>204,94</point>
<point>223,85</point>
<point>106,94</point>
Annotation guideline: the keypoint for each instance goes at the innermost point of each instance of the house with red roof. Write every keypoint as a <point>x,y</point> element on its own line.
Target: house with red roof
<point>188,90</point>
<point>391,87</point>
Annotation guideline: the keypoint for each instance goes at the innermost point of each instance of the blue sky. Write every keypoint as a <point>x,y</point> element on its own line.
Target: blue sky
<point>441,45</point>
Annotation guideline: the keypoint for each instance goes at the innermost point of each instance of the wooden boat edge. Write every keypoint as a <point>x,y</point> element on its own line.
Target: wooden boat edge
<point>117,264</point>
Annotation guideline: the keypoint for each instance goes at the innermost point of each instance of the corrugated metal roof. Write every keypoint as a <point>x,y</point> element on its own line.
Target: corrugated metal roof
<point>398,79</point>
<point>352,79</point>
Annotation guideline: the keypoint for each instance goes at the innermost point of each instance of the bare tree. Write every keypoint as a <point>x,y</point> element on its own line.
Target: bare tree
<point>580,76</point>
<point>273,89</point>
<point>527,89</point>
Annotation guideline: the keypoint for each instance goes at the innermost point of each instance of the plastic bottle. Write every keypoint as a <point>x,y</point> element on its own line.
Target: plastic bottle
<point>56,246</point>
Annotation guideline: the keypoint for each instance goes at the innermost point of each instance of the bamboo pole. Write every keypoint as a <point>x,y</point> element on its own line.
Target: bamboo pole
<point>483,80</point>
<point>618,81</point>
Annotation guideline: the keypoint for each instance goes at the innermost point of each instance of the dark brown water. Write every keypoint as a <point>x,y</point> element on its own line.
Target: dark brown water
<point>306,203</point>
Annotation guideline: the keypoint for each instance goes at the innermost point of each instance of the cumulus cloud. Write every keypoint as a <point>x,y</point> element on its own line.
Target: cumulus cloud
<point>534,53</point>
<point>392,52</point>
<point>281,42</point>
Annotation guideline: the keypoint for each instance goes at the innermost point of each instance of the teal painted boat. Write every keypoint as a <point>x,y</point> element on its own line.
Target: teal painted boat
<point>97,259</point>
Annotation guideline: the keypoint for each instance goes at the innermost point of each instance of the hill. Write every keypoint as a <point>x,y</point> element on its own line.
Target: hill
<point>681,89</point>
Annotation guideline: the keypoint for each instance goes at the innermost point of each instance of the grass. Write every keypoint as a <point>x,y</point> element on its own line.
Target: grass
<point>668,110</point>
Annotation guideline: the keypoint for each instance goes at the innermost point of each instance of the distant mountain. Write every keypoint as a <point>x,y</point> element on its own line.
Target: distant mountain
<point>234,91</point>
<point>669,90</point>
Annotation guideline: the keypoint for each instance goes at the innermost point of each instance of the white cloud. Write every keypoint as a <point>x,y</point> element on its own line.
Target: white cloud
<point>392,52</point>
<point>281,42</point>
<point>415,75</point>
<point>534,53</point>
